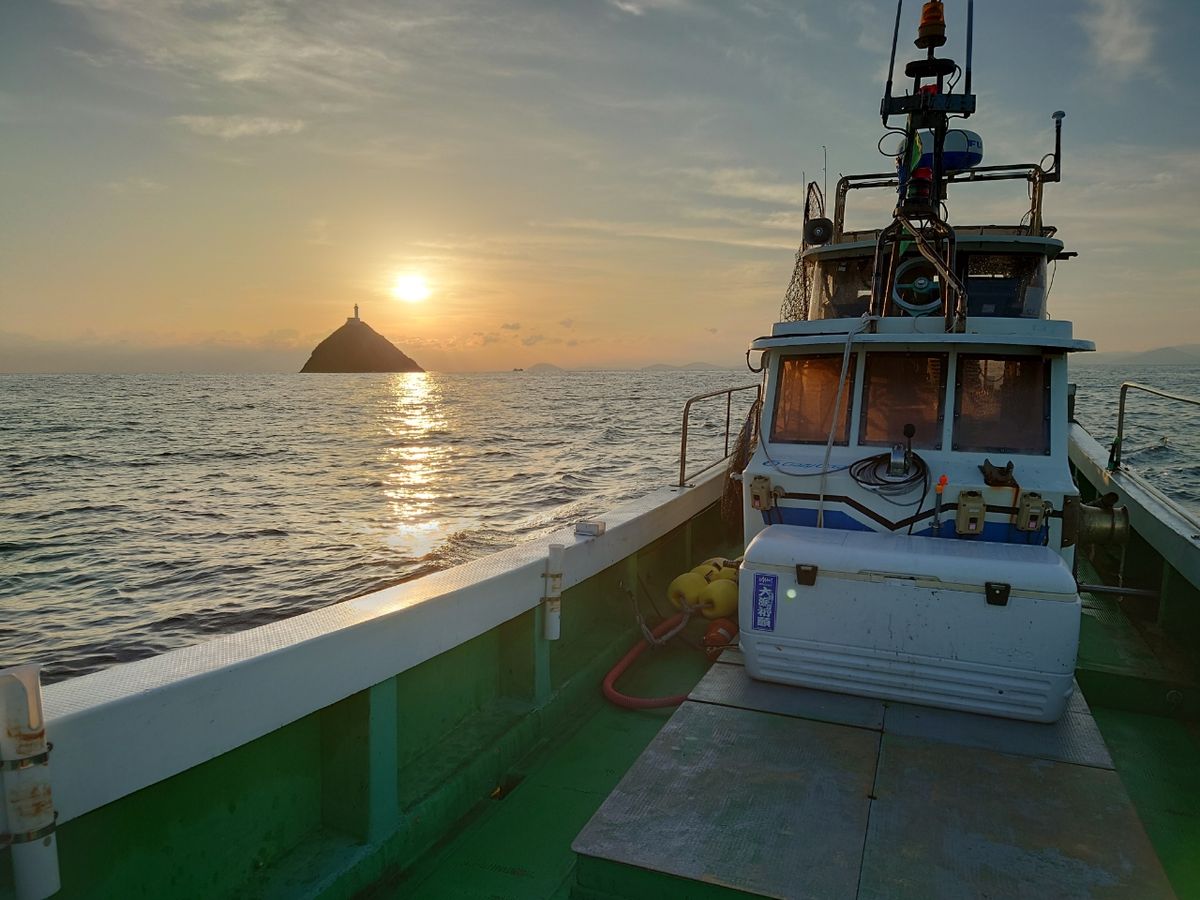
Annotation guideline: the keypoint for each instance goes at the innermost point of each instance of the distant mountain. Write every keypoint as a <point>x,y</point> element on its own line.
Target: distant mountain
<point>1181,355</point>
<point>357,347</point>
<point>545,367</point>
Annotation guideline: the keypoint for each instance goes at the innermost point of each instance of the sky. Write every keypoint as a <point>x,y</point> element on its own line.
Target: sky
<point>211,185</point>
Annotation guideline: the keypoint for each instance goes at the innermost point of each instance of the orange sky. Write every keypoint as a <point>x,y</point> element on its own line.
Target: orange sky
<point>612,183</point>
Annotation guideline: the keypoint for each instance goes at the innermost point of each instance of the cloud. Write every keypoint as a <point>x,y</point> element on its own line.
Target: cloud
<point>792,221</point>
<point>1121,35</point>
<point>511,326</point>
<point>134,184</point>
<point>641,7</point>
<point>674,233</point>
<point>305,48</point>
<point>567,323</point>
<point>318,233</point>
<point>229,128</point>
<point>873,30</point>
<point>530,339</point>
<point>746,184</point>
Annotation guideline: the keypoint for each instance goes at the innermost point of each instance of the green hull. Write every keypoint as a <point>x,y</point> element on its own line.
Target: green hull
<point>364,790</point>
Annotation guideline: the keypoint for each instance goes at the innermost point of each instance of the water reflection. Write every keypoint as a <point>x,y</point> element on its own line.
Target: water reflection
<point>414,422</point>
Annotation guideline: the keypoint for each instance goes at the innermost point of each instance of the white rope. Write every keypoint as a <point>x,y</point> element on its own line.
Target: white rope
<point>837,406</point>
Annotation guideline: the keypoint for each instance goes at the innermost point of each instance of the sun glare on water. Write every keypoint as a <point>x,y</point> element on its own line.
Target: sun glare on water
<point>411,288</point>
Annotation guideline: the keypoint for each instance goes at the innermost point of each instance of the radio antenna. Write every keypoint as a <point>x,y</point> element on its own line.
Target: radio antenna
<point>970,36</point>
<point>887,90</point>
<point>825,169</point>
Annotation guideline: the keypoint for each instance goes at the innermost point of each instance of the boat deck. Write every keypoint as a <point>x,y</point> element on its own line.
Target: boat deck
<point>518,846</point>
<point>776,791</point>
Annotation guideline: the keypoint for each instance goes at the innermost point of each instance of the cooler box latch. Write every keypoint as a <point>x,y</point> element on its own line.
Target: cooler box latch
<point>806,575</point>
<point>996,592</point>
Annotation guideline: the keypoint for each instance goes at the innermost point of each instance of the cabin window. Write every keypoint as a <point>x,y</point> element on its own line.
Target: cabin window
<point>1002,404</point>
<point>842,287</point>
<point>1011,285</point>
<point>904,389</point>
<point>804,402</point>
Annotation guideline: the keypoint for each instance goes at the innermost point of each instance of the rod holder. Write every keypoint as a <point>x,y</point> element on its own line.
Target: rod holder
<point>552,619</point>
<point>27,817</point>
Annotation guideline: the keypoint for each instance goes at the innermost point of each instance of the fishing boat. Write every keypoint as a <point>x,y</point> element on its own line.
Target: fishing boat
<point>917,634</point>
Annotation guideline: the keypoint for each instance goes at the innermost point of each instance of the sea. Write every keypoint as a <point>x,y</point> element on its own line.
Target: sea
<point>139,513</point>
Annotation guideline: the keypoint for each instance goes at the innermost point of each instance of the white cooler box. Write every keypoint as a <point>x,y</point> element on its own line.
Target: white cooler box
<point>984,627</point>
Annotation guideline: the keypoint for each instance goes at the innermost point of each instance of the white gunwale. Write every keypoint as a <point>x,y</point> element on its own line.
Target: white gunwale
<point>124,728</point>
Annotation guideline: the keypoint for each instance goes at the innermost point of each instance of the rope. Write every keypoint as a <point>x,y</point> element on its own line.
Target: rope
<point>837,405</point>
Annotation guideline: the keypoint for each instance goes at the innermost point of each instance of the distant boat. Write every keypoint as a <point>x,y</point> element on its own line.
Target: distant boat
<point>518,370</point>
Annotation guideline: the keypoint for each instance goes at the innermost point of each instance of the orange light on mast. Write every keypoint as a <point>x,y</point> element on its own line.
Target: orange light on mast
<point>932,30</point>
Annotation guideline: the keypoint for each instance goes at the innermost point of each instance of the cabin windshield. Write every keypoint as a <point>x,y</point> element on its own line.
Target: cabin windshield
<point>807,394</point>
<point>1009,285</point>
<point>1012,285</point>
<point>904,389</point>
<point>841,288</point>
<point>1002,404</point>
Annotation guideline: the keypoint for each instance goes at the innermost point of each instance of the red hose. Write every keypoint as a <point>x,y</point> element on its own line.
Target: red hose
<point>626,661</point>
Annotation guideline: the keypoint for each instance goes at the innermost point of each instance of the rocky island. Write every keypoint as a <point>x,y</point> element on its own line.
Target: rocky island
<point>357,347</point>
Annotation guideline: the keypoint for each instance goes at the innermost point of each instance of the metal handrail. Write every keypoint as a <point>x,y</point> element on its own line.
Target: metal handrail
<point>687,409</point>
<point>1114,456</point>
<point>1029,171</point>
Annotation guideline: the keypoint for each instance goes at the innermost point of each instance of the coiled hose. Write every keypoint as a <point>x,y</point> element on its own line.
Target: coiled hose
<point>610,680</point>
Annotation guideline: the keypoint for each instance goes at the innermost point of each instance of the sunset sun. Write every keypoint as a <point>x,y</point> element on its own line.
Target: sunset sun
<point>412,288</point>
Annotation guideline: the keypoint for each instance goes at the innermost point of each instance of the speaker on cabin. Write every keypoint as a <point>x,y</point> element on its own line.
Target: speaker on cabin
<point>818,231</point>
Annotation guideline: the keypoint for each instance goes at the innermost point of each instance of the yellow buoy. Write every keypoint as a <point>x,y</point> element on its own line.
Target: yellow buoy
<point>719,599</point>
<point>686,589</point>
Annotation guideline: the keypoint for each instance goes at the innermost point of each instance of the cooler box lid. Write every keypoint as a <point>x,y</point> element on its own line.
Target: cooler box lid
<point>857,554</point>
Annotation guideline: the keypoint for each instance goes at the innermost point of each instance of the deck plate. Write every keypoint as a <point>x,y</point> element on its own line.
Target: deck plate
<point>1073,739</point>
<point>951,821</point>
<point>770,805</point>
<point>729,685</point>
<point>768,789</point>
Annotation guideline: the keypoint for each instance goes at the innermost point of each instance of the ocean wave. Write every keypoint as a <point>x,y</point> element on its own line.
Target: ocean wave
<point>191,506</point>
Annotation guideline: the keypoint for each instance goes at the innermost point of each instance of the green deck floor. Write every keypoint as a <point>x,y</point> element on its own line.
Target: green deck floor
<point>518,847</point>
<point>1158,760</point>
<point>1143,708</point>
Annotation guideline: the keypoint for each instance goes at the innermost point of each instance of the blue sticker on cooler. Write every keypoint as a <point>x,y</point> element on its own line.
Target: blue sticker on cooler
<point>766,590</point>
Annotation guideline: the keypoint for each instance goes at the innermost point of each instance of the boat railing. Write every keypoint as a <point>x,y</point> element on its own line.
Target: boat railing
<point>1031,172</point>
<point>727,393</point>
<point>1114,456</point>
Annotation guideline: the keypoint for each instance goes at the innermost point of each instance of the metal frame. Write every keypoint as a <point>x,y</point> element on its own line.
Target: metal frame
<point>1114,456</point>
<point>1025,171</point>
<point>684,475</point>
